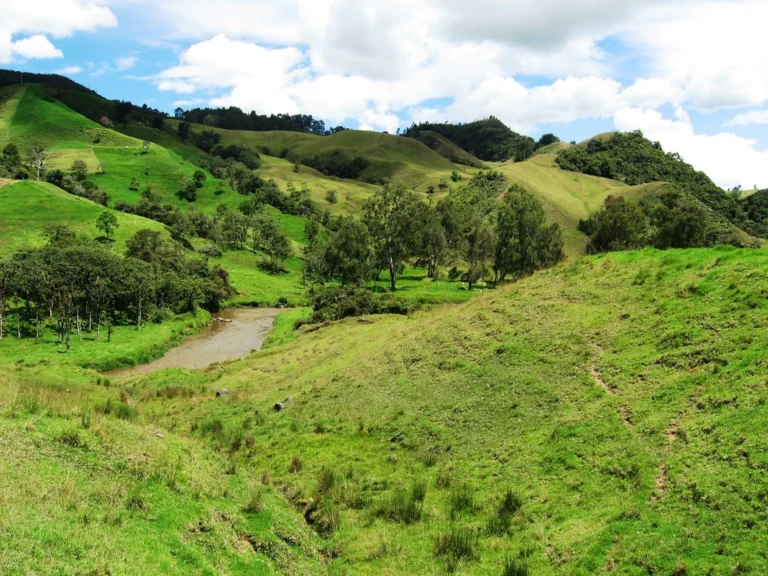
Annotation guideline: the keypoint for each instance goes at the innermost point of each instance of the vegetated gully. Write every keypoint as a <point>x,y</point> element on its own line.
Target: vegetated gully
<point>235,333</point>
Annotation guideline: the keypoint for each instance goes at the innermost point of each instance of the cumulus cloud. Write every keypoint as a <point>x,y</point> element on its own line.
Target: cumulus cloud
<point>751,117</point>
<point>35,20</point>
<point>728,159</point>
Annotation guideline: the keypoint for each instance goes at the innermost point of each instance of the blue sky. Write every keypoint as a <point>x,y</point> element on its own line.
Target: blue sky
<point>689,73</point>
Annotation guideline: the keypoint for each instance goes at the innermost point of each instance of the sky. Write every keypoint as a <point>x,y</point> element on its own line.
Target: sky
<point>691,74</point>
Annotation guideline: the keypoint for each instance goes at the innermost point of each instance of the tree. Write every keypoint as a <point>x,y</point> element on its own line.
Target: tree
<point>455,176</point>
<point>389,218</point>
<point>546,140</point>
<point>199,178</point>
<point>188,190</point>
<point>331,197</point>
<point>107,223</point>
<point>524,240</point>
<point>348,255</point>
<point>431,245</point>
<point>79,170</point>
<point>620,225</point>
<point>268,237</point>
<point>122,110</point>
<point>38,159</point>
<point>183,130</point>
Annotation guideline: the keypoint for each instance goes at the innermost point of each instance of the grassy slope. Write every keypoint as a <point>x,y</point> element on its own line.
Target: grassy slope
<point>567,196</point>
<point>446,148</point>
<point>107,495</point>
<point>27,207</point>
<point>622,398</point>
<point>396,158</point>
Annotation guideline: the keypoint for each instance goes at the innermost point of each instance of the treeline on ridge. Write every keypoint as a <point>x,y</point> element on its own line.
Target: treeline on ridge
<point>234,118</point>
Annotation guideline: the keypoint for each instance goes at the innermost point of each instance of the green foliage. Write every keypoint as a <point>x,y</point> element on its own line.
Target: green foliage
<point>487,139</point>
<point>524,240</point>
<point>334,303</point>
<point>107,222</point>
<point>348,255</point>
<point>631,158</point>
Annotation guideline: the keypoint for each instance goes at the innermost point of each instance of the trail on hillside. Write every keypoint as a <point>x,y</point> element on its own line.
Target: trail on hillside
<point>598,379</point>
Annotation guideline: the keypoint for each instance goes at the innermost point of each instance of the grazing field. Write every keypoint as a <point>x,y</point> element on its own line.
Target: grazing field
<point>597,417</point>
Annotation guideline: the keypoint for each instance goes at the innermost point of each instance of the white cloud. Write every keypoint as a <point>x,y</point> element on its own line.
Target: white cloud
<point>35,20</point>
<point>752,117</point>
<point>37,46</point>
<point>69,70</point>
<point>728,159</point>
<point>126,63</point>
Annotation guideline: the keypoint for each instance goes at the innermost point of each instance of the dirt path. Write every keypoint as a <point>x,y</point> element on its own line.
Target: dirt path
<point>598,379</point>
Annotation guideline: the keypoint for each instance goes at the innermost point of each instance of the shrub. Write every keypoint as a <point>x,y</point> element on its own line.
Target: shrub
<point>331,197</point>
<point>296,465</point>
<point>456,546</point>
<point>404,505</point>
<point>335,303</point>
<point>70,437</point>
<point>326,480</point>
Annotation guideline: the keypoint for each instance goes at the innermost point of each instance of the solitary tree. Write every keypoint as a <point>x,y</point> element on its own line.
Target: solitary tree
<point>38,159</point>
<point>107,223</point>
<point>348,255</point>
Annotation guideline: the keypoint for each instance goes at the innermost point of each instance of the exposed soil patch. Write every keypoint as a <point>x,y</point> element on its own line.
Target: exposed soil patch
<point>661,484</point>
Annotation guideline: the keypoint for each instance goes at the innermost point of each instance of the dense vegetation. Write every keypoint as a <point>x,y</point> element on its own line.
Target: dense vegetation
<point>633,159</point>
<point>668,218</point>
<point>81,284</point>
<point>488,139</point>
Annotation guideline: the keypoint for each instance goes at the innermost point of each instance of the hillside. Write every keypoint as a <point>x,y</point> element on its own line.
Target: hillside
<point>389,158</point>
<point>567,196</point>
<point>27,207</point>
<point>446,148</point>
<point>618,399</point>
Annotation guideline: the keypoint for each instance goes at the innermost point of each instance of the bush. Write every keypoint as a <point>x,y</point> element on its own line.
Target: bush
<point>334,303</point>
<point>254,504</point>
<point>331,197</point>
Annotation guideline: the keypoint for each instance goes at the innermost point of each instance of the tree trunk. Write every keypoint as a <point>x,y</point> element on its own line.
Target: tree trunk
<point>138,322</point>
<point>18,320</point>
<point>392,276</point>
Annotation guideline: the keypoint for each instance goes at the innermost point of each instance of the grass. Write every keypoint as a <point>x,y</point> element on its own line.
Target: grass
<point>567,197</point>
<point>27,207</point>
<point>503,389</point>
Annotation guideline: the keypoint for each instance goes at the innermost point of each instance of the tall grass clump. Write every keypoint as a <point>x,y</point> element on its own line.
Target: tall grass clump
<point>461,499</point>
<point>402,505</point>
<point>500,522</point>
<point>457,545</point>
<point>515,568</point>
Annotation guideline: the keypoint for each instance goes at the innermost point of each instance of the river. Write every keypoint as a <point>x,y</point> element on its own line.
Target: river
<point>242,331</point>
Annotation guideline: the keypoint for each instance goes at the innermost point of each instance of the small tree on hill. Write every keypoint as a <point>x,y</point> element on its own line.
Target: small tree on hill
<point>348,255</point>
<point>199,178</point>
<point>79,170</point>
<point>38,159</point>
<point>107,223</point>
<point>188,190</point>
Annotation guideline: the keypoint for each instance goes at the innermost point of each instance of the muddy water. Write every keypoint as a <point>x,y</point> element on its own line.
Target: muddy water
<point>244,331</point>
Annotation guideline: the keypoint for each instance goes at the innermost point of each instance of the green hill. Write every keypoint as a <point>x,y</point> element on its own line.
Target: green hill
<point>27,207</point>
<point>446,148</point>
<point>390,158</point>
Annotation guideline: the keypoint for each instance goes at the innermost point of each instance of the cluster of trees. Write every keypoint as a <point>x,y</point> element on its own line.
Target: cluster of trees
<point>667,219</point>
<point>77,183</point>
<point>77,285</point>
<point>12,165</point>
<point>50,81</point>
<point>756,207</point>
<point>631,158</point>
<point>506,238</point>
<point>234,118</point>
<point>489,139</point>
<point>337,163</point>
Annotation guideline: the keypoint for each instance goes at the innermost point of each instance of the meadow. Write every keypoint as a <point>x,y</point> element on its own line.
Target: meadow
<point>603,416</point>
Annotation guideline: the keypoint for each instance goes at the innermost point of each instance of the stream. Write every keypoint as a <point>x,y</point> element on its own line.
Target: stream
<point>242,331</point>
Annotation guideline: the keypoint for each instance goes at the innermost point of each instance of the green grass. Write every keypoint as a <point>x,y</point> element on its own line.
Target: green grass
<point>128,346</point>
<point>27,207</point>
<point>40,120</point>
<point>283,329</point>
<point>574,388</point>
<point>567,197</point>
<point>397,159</point>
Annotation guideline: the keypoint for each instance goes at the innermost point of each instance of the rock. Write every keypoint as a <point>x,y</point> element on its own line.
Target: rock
<point>158,434</point>
<point>224,392</point>
<point>287,400</point>
<point>278,407</point>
